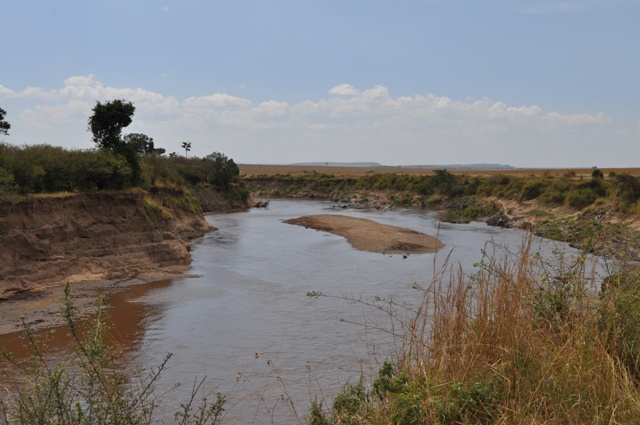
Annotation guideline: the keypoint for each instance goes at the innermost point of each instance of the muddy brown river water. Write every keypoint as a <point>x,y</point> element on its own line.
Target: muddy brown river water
<point>248,326</point>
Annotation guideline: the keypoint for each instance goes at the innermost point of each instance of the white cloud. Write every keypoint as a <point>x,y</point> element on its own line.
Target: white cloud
<point>5,92</point>
<point>82,87</point>
<point>273,108</point>
<point>268,115</point>
<point>216,100</point>
<point>28,93</point>
<point>349,124</point>
<point>47,116</point>
<point>343,90</point>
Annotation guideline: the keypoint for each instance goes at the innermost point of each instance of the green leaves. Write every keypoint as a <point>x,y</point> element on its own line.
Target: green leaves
<point>107,122</point>
<point>4,125</point>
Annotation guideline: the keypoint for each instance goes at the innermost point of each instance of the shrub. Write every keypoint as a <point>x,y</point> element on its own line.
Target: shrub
<point>7,181</point>
<point>348,404</point>
<point>555,193</point>
<point>627,189</point>
<point>580,198</point>
<point>532,190</point>
<point>597,174</point>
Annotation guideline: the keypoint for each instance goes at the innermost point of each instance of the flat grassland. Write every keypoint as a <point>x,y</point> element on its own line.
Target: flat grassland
<point>355,171</point>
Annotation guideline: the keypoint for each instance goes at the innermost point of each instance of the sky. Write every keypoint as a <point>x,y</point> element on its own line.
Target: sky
<point>529,83</point>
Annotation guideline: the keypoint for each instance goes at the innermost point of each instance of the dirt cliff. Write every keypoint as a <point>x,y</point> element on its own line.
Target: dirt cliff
<point>50,241</point>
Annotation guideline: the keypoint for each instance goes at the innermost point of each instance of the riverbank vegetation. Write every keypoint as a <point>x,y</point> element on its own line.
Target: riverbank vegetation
<point>522,340</point>
<point>44,169</point>
<point>441,186</point>
<point>567,207</point>
<point>118,162</point>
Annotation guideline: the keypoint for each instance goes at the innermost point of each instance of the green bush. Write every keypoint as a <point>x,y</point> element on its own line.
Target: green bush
<point>7,181</point>
<point>387,381</point>
<point>597,174</point>
<point>533,189</point>
<point>580,198</point>
<point>555,192</point>
<point>473,403</point>
<point>626,189</point>
<point>348,403</point>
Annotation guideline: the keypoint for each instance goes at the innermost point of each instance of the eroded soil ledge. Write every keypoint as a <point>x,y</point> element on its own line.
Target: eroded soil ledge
<point>96,242</point>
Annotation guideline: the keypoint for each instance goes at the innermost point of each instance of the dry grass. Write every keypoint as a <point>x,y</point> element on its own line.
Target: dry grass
<point>257,169</point>
<point>53,195</point>
<point>522,341</point>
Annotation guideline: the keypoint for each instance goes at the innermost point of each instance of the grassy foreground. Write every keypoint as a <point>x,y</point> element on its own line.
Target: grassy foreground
<point>521,341</point>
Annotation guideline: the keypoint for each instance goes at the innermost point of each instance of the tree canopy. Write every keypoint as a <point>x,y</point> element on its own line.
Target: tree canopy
<point>142,144</point>
<point>4,125</point>
<point>220,170</point>
<point>107,122</point>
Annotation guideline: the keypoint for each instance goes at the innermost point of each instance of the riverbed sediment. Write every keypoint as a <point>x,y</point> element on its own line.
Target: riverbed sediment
<point>368,235</point>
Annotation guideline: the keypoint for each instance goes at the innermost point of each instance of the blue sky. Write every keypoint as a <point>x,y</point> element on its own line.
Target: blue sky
<point>531,83</point>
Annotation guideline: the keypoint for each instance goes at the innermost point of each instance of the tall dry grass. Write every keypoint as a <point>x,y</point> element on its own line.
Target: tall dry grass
<point>523,340</point>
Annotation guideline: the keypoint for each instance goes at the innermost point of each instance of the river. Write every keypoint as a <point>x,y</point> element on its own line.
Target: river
<point>248,326</point>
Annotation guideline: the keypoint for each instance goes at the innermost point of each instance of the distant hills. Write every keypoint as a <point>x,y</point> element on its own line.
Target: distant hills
<point>466,166</point>
<point>339,164</point>
<point>433,167</point>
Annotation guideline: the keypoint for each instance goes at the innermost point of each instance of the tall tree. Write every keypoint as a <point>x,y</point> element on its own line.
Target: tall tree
<point>187,147</point>
<point>4,126</point>
<point>107,122</point>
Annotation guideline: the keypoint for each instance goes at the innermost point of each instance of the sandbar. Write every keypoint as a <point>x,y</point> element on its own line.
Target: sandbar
<point>371,236</point>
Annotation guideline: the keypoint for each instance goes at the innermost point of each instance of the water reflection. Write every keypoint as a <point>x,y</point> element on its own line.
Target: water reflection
<point>129,316</point>
<point>125,314</point>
